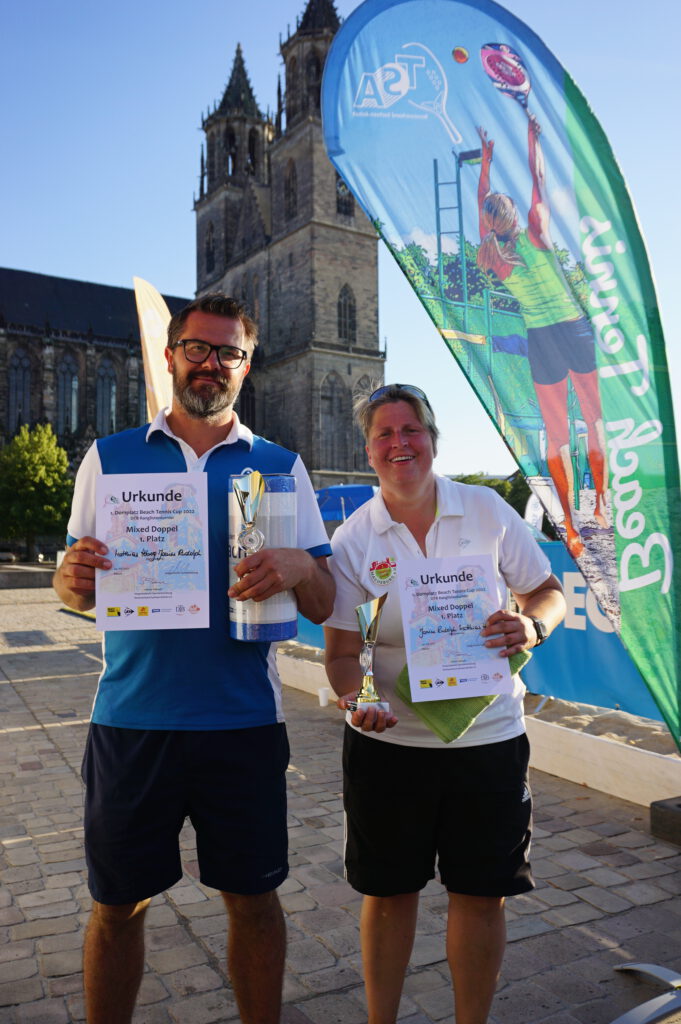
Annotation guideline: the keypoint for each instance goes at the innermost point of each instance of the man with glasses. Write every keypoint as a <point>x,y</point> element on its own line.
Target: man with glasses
<point>189,724</point>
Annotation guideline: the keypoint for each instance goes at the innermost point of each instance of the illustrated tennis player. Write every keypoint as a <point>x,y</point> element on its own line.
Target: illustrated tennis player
<point>560,339</point>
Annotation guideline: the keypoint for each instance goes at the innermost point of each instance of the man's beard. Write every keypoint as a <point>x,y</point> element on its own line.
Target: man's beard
<point>206,402</point>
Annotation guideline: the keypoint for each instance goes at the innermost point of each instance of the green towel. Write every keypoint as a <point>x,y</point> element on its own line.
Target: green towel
<point>450,718</point>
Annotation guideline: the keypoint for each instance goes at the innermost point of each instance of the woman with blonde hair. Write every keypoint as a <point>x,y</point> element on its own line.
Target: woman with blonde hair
<point>412,799</point>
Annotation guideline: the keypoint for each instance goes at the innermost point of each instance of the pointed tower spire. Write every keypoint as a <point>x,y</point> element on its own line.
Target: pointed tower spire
<point>238,95</point>
<point>319,15</point>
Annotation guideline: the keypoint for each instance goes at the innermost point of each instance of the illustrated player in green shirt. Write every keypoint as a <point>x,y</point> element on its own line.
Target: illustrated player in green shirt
<point>560,338</point>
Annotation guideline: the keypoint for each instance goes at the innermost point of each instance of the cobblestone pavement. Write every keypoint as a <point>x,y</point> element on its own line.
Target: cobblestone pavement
<point>607,892</point>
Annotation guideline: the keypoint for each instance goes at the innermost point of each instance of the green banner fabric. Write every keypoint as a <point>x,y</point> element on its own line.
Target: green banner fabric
<point>493,185</point>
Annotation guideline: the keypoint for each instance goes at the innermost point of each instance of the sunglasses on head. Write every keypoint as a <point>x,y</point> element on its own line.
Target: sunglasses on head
<point>409,388</point>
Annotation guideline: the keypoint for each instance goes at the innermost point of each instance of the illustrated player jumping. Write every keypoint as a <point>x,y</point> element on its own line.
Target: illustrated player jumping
<point>560,338</point>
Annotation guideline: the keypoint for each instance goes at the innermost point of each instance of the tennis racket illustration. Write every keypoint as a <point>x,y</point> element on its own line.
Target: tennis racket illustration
<point>507,72</point>
<point>432,95</point>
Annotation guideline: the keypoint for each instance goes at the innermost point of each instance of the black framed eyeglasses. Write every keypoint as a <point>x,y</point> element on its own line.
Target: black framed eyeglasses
<point>198,351</point>
<point>411,389</point>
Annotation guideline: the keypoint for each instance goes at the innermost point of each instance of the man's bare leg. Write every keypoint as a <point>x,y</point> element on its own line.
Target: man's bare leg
<point>113,961</point>
<point>476,938</point>
<point>586,386</point>
<point>387,929</point>
<point>552,400</point>
<point>256,949</point>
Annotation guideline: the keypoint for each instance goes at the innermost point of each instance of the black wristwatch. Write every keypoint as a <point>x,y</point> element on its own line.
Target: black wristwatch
<point>541,630</point>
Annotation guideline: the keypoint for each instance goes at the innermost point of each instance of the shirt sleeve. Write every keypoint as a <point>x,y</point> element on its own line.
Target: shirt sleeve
<point>349,589</point>
<point>311,532</point>
<point>523,564</point>
<point>83,518</point>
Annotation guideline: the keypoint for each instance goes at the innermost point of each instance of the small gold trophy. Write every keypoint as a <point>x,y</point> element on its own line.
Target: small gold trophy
<point>369,616</point>
<point>249,490</point>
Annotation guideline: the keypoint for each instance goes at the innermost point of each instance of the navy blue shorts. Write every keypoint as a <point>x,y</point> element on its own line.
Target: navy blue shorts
<point>467,808</point>
<point>141,785</point>
<point>555,350</point>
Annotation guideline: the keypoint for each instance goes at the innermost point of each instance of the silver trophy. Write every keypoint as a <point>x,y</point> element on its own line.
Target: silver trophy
<point>249,490</point>
<point>368,616</point>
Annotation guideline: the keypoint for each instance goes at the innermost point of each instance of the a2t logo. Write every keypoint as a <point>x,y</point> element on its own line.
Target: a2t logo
<point>390,83</point>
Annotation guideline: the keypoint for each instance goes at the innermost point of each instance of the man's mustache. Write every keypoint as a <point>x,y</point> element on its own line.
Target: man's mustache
<point>219,378</point>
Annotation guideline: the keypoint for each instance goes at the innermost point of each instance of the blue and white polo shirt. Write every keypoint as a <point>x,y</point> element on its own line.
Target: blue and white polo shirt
<point>197,678</point>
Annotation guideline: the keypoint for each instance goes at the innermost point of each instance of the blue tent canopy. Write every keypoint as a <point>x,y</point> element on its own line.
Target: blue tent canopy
<point>337,502</point>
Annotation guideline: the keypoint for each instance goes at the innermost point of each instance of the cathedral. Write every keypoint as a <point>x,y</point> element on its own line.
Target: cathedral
<point>278,227</point>
<point>275,227</point>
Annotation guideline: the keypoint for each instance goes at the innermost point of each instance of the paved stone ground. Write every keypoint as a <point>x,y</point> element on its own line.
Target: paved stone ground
<point>607,892</point>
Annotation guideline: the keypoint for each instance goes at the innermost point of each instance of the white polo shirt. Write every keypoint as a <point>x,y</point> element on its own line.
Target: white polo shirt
<point>366,551</point>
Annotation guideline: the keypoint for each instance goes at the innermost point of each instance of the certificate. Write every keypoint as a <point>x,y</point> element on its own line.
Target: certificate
<point>445,602</point>
<point>155,526</point>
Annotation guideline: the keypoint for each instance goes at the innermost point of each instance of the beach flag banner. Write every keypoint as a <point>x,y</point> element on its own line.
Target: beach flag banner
<point>154,316</point>
<point>493,185</point>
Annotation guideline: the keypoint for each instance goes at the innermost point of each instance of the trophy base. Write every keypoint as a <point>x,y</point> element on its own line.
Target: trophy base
<point>380,705</point>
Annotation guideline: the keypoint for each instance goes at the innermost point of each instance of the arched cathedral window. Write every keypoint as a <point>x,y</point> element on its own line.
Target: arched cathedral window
<point>247,404</point>
<point>67,395</point>
<point>291,88</point>
<point>360,461</point>
<point>347,315</point>
<point>106,398</point>
<point>252,161</point>
<point>313,75</point>
<point>19,411</point>
<point>210,248</point>
<point>335,420</point>
<point>345,201</point>
<point>290,191</point>
<point>210,161</point>
<point>230,152</point>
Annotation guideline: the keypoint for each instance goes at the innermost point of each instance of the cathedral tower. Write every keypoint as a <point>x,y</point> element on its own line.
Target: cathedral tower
<point>277,228</point>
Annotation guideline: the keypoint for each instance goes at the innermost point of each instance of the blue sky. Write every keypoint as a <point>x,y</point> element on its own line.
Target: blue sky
<point>100,122</point>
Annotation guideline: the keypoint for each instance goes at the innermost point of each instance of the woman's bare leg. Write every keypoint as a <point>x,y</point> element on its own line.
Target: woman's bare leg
<point>387,929</point>
<point>476,939</point>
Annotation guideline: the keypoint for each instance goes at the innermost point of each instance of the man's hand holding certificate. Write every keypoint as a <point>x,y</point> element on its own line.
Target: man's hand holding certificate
<point>155,527</point>
<point>445,602</point>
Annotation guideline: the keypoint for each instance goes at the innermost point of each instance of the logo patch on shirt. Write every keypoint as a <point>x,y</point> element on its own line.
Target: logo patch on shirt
<point>384,571</point>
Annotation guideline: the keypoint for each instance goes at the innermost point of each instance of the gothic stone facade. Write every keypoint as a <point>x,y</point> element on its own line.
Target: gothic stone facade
<point>276,227</point>
<point>279,229</point>
<point>69,356</point>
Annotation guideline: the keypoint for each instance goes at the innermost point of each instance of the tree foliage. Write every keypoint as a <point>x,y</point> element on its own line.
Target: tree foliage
<point>35,486</point>
<point>513,489</point>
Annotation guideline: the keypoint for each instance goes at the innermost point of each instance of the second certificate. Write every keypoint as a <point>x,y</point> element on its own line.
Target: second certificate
<point>445,603</point>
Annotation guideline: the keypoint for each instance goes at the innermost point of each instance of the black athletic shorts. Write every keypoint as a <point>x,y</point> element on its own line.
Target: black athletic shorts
<point>555,350</point>
<point>140,785</point>
<point>469,808</point>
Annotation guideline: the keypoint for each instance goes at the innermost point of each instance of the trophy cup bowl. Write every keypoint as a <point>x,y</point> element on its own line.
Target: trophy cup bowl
<point>368,617</point>
<point>269,498</point>
<point>249,490</point>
